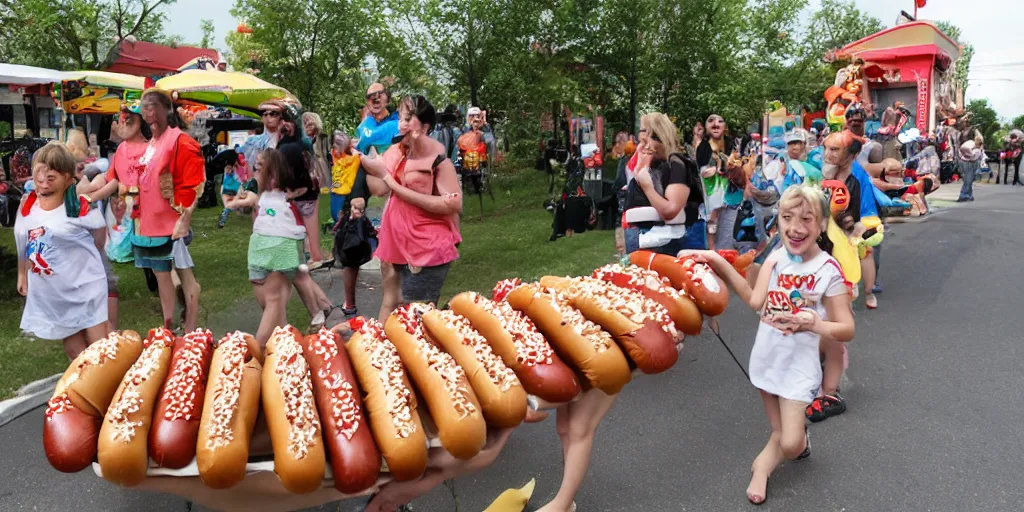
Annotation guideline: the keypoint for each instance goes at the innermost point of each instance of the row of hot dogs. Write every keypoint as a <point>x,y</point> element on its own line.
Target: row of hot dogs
<point>125,402</point>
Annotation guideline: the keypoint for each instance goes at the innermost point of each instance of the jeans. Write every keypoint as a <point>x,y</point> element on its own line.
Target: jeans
<point>968,170</point>
<point>337,203</point>
<point>725,238</point>
<point>695,238</point>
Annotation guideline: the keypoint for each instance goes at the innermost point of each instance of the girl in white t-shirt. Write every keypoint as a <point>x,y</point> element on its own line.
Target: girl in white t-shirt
<point>276,244</point>
<point>802,296</point>
<point>60,271</point>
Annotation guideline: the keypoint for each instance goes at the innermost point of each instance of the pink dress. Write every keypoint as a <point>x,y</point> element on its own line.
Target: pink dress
<point>408,234</point>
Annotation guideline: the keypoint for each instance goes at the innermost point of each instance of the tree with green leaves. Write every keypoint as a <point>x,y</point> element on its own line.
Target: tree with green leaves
<point>207,28</point>
<point>1018,123</point>
<point>984,118</point>
<point>962,67</point>
<point>319,50</point>
<point>74,34</point>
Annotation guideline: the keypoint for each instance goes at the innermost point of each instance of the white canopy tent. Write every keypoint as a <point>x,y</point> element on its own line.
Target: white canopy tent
<point>16,74</point>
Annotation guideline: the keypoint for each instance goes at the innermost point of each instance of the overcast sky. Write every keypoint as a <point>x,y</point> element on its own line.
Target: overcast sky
<point>993,26</point>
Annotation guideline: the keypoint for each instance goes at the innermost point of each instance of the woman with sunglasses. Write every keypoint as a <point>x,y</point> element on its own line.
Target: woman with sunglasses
<point>419,227</point>
<point>664,198</point>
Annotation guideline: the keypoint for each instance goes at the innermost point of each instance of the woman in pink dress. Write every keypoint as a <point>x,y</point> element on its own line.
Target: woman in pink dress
<point>419,227</point>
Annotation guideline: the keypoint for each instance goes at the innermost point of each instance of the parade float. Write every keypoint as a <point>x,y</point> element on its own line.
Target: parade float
<point>906,69</point>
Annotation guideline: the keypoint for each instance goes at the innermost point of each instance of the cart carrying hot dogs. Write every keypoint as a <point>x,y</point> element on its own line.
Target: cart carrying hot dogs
<point>313,419</point>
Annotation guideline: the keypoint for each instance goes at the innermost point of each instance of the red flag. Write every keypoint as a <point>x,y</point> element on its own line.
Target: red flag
<point>921,3</point>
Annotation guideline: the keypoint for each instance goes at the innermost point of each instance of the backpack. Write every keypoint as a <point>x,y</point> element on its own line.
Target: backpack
<point>354,241</point>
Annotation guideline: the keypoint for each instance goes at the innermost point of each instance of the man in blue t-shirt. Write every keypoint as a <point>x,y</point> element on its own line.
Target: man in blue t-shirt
<point>380,126</point>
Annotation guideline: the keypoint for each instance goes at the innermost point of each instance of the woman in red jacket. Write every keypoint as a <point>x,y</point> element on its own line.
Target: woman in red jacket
<point>171,180</point>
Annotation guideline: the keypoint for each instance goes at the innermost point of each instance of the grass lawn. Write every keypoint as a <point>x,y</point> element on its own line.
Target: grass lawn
<point>510,241</point>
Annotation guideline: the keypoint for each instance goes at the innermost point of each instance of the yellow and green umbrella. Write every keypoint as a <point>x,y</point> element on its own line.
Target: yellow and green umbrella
<point>237,91</point>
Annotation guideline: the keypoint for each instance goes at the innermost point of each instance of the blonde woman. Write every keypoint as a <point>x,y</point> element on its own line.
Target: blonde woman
<point>664,198</point>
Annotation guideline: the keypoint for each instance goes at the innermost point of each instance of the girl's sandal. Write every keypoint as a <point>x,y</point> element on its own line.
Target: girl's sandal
<point>871,301</point>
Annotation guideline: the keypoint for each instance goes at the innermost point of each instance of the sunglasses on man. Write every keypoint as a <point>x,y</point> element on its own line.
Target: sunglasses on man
<point>374,95</point>
<point>270,113</point>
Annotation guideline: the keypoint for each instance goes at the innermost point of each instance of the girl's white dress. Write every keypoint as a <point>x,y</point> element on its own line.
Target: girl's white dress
<point>67,285</point>
<point>788,365</point>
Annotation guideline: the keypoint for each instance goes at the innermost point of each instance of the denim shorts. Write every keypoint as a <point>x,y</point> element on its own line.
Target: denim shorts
<point>422,284</point>
<point>695,238</point>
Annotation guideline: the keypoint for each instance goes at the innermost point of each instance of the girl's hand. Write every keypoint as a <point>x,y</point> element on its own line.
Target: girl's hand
<point>805,320</point>
<point>22,285</point>
<point>698,255</point>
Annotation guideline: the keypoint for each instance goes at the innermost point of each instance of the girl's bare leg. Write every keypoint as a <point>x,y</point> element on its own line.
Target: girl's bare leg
<point>190,288</point>
<point>351,274</point>
<point>113,301</point>
<point>310,294</point>
<point>168,297</point>
<point>96,333</point>
<point>75,344</point>
<point>312,224</point>
<point>392,288</point>
<point>833,352</point>
<point>584,416</point>
<point>867,271</point>
<point>274,306</point>
<point>794,422</point>
<point>771,454</point>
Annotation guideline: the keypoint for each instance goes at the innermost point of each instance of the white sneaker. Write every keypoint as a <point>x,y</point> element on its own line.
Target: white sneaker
<point>318,320</point>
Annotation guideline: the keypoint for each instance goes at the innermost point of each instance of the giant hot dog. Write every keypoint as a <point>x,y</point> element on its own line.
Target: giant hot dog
<point>441,381</point>
<point>172,440</point>
<point>641,326</point>
<point>496,386</point>
<point>681,308</point>
<point>579,341</point>
<point>122,447</point>
<point>74,413</point>
<point>389,401</point>
<point>515,338</point>
<point>666,266</point>
<point>290,409</point>
<point>355,460</point>
<point>231,405</point>
<point>706,288</point>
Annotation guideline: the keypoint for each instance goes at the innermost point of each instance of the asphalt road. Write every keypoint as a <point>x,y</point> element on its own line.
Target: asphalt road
<point>934,421</point>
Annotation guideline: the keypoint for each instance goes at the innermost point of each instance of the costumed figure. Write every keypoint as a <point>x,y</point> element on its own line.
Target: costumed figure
<point>847,90</point>
<point>723,186</point>
<point>843,249</point>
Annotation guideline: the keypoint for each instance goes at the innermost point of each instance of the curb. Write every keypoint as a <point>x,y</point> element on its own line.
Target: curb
<point>29,397</point>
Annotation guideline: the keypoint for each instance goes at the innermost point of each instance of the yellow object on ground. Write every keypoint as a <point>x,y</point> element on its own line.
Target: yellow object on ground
<point>513,500</point>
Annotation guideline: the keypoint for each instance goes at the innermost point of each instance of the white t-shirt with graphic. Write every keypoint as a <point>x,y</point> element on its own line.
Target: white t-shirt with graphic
<point>277,218</point>
<point>67,286</point>
<point>788,365</point>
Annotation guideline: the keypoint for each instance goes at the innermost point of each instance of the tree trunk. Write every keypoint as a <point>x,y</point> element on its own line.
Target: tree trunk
<point>632,95</point>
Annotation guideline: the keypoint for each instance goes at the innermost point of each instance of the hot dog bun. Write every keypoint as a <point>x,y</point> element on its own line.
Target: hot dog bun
<point>355,460</point>
<point>496,386</point>
<point>579,341</point>
<point>441,381</point>
<point>232,403</point>
<point>641,326</point>
<point>681,308</point>
<point>706,288</point>
<point>71,423</point>
<point>666,266</point>
<point>122,447</point>
<point>515,338</point>
<point>389,399</point>
<point>290,409</point>
<point>172,440</point>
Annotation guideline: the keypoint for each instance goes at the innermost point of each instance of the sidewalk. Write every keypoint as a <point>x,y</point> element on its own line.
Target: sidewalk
<point>245,315</point>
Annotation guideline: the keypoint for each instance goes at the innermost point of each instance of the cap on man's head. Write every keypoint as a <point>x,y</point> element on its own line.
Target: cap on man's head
<point>796,135</point>
<point>271,105</point>
<point>473,111</point>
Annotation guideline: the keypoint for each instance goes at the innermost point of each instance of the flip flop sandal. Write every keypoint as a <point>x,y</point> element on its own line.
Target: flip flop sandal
<point>871,301</point>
